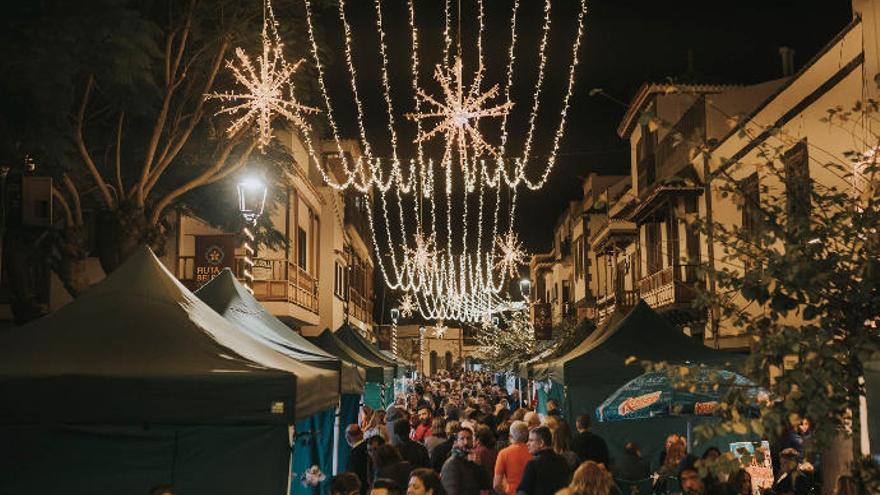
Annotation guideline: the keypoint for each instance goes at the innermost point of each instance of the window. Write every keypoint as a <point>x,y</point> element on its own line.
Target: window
<point>692,236</point>
<point>302,248</point>
<point>654,250</point>
<point>797,187</point>
<point>751,217</point>
<point>339,280</point>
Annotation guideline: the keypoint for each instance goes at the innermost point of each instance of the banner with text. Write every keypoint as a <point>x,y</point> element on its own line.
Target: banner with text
<point>213,254</point>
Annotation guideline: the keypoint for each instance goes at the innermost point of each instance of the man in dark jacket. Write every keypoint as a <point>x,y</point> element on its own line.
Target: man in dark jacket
<point>630,466</point>
<point>359,461</point>
<point>412,452</point>
<point>548,471</point>
<point>587,445</point>
<point>459,475</point>
<point>441,452</point>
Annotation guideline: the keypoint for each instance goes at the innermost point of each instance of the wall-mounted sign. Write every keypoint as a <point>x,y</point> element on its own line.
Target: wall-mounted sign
<point>213,254</point>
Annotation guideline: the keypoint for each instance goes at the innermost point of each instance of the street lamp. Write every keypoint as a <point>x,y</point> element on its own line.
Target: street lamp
<point>395,315</point>
<point>251,201</point>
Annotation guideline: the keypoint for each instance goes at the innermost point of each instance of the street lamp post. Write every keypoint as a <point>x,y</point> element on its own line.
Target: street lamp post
<point>422,331</point>
<point>525,287</point>
<point>251,201</point>
<point>395,314</point>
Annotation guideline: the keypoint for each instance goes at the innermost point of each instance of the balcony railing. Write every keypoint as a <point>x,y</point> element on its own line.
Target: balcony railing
<point>359,306</point>
<point>675,284</point>
<point>275,280</point>
<point>620,300</point>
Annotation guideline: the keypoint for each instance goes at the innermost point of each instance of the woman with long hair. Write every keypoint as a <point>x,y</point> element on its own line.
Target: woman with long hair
<point>561,439</point>
<point>591,478</point>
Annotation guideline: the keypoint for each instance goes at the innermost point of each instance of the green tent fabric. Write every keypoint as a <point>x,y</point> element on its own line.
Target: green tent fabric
<point>137,382</point>
<point>138,347</point>
<point>313,447</point>
<point>407,366</point>
<point>130,459</point>
<point>376,372</point>
<point>872,393</point>
<point>356,341</point>
<point>593,370</point>
<point>225,295</point>
<point>348,415</point>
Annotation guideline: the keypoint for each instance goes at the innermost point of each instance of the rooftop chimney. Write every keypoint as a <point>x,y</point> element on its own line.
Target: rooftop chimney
<point>787,56</point>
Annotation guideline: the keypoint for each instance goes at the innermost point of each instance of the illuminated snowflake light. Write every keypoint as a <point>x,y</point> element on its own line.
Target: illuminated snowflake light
<point>268,88</point>
<point>511,254</point>
<point>407,305</point>
<point>460,110</point>
<point>440,329</point>
<point>422,257</point>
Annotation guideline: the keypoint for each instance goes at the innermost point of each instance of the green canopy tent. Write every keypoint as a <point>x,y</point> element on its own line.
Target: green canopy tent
<point>379,376</point>
<point>356,341</point>
<point>225,295</point>
<point>137,382</point>
<point>582,378</point>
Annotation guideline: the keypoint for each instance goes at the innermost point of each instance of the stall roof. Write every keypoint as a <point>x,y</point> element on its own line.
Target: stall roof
<point>138,347</point>
<point>375,372</point>
<point>225,295</point>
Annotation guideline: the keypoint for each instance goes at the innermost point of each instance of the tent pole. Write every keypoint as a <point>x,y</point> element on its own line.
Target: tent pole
<point>689,440</point>
<point>336,437</point>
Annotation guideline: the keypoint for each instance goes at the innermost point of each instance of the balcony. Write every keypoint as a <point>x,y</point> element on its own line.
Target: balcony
<point>608,305</point>
<point>360,307</point>
<point>671,287</point>
<point>614,232</point>
<point>275,281</point>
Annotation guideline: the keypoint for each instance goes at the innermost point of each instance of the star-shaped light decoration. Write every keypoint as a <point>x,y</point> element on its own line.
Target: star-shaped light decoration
<point>460,110</point>
<point>440,329</point>
<point>268,88</point>
<point>407,305</point>
<point>510,253</point>
<point>423,256</point>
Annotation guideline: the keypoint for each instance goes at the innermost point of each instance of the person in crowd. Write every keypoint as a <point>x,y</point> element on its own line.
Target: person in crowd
<point>739,483</point>
<point>532,419</point>
<point>376,425</point>
<point>676,450</point>
<point>502,435</point>
<point>385,487</point>
<point>389,465</point>
<point>792,479</point>
<point>484,452</point>
<point>519,414</point>
<point>163,489</point>
<point>345,483</point>
<point>423,428</point>
<point>547,472</point>
<point>373,444</point>
<point>437,436</point>
<point>359,460</point>
<point>512,460</point>
<point>690,481</point>
<point>630,466</point>
<point>587,445</point>
<point>553,408</point>
<point>442,451</point>
<point>561,439</point>
<point>591,478</point>
<point>459,475</point>
<point>424,481</point>
<point>412,452</point>
<point>711,454</point>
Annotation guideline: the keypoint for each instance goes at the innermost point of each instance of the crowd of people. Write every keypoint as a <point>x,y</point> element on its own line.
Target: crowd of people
<point>466,435</point>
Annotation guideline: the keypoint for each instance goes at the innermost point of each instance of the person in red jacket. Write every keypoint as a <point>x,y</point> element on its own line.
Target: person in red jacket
<point>423,430</point>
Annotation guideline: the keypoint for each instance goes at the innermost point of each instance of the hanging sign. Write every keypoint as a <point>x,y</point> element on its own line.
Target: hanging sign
<point>213,254</point>
<point>542,320</point>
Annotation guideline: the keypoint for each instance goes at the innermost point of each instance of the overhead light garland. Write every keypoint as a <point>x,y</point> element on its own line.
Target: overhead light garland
<point>449,280</point>
<point>268,87</point>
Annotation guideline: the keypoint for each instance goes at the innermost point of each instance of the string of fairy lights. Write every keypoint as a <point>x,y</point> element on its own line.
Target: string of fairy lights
<point>437,194</point>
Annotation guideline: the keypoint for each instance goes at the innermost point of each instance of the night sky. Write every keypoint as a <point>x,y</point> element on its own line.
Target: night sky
<point>627,43</point>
